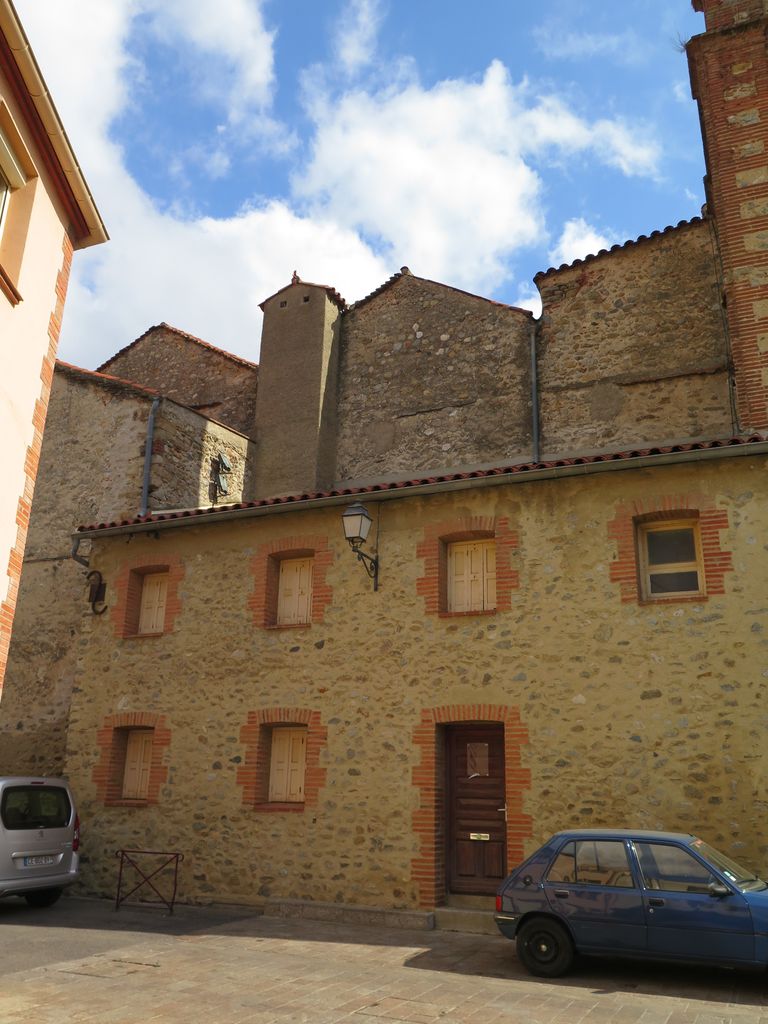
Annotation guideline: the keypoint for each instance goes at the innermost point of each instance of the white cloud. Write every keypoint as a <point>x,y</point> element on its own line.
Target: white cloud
<point>356,40</point>
<point>682,92</point>
<point>441,179</point>
<point>579,239</point>
<point>234,32</point>
<point>528,298</point>
<point>556,41</point>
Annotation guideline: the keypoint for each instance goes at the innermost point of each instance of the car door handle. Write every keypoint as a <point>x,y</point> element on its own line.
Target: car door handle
<point>654,901</point>
<point>562,894</point>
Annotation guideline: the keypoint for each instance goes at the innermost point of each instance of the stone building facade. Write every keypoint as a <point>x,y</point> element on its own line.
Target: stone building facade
<point>567,623</point>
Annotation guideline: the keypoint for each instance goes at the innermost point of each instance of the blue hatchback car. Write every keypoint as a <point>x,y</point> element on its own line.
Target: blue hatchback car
<point>654,895</point>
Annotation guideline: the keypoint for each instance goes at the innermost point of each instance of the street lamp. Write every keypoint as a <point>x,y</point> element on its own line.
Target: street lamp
<point>357,525</point>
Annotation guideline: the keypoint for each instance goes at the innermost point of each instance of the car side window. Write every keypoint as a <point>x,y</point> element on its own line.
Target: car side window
<point>672,869</point>
<point>593,862</point>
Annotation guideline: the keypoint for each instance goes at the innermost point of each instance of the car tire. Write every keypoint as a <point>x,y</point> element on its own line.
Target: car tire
<point>42,897</point>
<point>544,947</point>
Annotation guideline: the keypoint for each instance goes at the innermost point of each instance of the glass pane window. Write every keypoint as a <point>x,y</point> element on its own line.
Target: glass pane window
<point>670,561</point>
<point>671,869</point>
<point>671,546</point>
<point>593,862</point>
<point>28,807</point>
<point>477,760</point>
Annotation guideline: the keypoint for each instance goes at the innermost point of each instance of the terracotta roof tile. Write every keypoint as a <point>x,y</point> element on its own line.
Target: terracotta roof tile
<point>331,292</point>
<point>405,272</point>
<point>618,247</point>
<point>519,469</point>
<point>187,337</point>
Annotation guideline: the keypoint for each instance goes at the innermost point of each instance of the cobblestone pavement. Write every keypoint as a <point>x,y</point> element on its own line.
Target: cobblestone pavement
<point>80,962</point>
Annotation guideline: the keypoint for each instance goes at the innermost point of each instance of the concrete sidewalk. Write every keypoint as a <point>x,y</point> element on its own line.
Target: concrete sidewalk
<point>81,962</point>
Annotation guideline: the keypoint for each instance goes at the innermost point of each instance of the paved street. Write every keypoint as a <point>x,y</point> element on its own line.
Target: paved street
<point>81,962</point>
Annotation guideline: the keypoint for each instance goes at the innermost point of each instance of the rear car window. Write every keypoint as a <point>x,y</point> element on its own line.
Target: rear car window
<point>593,862</point>
<point>35,807</point>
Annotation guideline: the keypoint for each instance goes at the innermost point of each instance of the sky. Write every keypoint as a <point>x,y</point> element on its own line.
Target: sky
<point>228,143</point>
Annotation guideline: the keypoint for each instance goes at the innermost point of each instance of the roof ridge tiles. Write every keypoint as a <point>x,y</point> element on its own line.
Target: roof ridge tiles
<point>529,467</point>
<point>619,246</point>
<point>182,334</point>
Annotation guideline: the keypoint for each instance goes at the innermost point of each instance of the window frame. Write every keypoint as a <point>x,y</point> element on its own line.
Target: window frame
<point>488,605</point>
<point>298,620</point>
<point>279,792</point>
<point>645,570</point>
<point>160,612</point>
<point>20,176</point>
<point>140,735</point>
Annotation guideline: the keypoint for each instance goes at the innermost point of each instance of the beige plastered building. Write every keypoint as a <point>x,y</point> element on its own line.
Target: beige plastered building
<point>46,212</point>
<point>564,622</point>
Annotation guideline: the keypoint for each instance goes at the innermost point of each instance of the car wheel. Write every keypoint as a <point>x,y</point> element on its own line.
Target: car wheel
<point>544,947</point>
<point>42,897</point>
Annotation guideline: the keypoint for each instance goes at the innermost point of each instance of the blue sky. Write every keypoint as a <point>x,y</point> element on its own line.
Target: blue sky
<point>229,143</point>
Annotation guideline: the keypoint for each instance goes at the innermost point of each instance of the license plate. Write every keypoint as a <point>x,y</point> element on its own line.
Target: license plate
<point>38,862</point>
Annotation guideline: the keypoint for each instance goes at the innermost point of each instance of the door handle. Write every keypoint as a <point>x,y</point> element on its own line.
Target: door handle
<point>504,809</point>
<point>562,894</point>
<point>654,901</point>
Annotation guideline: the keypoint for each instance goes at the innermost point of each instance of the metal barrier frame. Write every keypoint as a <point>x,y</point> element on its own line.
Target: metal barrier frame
<point>127,860</point>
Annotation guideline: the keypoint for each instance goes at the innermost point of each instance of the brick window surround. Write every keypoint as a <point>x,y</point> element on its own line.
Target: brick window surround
<point>253,774</point>
<point>265,567</point>
<point>429,825</point>
<point>433,550</point>
<point>112,739</point>
<point>127,604</point>
<point>693,507</point>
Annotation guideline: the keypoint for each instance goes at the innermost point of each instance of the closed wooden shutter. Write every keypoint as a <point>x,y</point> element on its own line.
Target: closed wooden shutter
<point>138,761</point>
<point>154,591</point>
<point>294,595</point>
<point>472,576</point>
<point>286,772</point>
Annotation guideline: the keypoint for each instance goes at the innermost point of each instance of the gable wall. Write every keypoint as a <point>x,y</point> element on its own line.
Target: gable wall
<point>632,347</point>
<point>431,377</point>
<point>191,374</point>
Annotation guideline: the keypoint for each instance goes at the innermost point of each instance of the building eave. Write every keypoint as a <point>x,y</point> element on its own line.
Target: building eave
<point>755,444</point>
<point>18,64</point>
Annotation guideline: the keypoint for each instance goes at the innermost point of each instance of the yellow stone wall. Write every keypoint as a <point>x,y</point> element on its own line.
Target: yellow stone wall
<point>637,715</point>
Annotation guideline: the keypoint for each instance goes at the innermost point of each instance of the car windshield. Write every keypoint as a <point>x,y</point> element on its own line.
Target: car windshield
<point>739,876</point>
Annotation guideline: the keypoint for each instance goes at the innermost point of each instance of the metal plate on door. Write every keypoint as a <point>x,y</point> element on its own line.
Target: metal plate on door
<point>484,836</point>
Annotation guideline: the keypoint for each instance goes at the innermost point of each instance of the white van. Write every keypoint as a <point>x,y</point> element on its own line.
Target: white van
<point>39,839</point>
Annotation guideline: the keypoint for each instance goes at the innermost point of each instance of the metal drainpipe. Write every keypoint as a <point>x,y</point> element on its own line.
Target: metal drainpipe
<point>148,456</point>
<point>535,394</point>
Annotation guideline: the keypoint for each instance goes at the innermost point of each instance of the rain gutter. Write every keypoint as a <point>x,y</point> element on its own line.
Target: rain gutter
<point>438,487</point>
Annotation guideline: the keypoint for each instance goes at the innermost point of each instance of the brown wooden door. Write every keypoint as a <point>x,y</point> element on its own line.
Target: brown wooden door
<point>477,845</point>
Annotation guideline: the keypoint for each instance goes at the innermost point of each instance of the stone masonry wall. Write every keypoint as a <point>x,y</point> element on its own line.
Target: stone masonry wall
<point>91,470</point>
<point>198,375</point>
<point>431,377</point>
<point>185,447</point>
<point>632,346</point>
<point>619,713</point>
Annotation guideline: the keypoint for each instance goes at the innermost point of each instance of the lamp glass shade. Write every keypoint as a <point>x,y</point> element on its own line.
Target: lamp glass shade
<point>357,523</point>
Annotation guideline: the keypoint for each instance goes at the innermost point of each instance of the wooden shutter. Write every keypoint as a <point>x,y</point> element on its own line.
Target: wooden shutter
<point>472,576</point>
<point>294,594</point>
<point>286,772</point>
<point>138,761</point>
<point>154,590</point>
